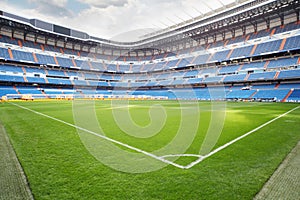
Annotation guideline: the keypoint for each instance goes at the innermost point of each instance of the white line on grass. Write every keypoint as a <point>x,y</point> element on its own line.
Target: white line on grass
<point>118,107</point>
<point>161,158</point>
<point>182,155</point>
<point>103,137</point>
<point>238,138</point>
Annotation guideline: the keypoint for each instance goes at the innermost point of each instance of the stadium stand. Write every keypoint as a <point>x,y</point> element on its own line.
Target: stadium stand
<point>295,96</point>
<point>259,59</point>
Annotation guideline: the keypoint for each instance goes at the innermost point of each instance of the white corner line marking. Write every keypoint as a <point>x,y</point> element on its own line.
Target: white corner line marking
<point>103,137</point>
<point>162,158</point>
<point>239,138</point>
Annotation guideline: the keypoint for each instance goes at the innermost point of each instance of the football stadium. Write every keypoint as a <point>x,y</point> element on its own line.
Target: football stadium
<point>207,108</point>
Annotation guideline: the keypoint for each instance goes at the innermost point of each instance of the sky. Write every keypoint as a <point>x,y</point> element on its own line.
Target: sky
<point>112,19</point>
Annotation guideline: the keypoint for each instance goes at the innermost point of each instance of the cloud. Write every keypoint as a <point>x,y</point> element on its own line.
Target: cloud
<point>109,18</point>
<point>54,11</point>
<point>135,18</point>
<point>56,8</point>
<point>105,3</point>
<point>57,3</point>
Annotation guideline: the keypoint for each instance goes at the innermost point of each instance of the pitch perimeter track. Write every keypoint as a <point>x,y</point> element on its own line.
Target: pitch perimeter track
<point>285,182</point>
<point>13,182</point>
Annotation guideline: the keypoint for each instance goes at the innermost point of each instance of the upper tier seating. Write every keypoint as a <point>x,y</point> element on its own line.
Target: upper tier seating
<point>267,47</point>
<point>287,27</point>
<point>241,52</point>
<point>36,80</point>
<point>8,40</point>
<point>45,59</point>
<point>65,62</point>
<point>253,66</point>
<point>235,78</point>
<point>22,56</point>
<point>289,74</point>
<point>11,68</point>
<point>220,56</point>
<point>262,76</point>
<point>284,62</point>
<point>292,43</point>
<point>259,34</point>
<point>229,69</point>
<point>201,59</point>
<point>12,79</point>
<point>4,53</point>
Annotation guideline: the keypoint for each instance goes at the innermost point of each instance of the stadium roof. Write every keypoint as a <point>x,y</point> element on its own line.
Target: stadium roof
<point>226,19</point>
<point>105,19</point>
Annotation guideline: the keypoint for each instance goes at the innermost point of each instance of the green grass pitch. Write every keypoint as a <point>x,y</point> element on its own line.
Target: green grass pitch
<point>59,166</point>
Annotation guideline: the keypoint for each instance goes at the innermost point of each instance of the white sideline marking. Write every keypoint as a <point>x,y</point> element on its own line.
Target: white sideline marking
<point>103,137</point>
<point>238,138</point>
<point>162,158</point>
